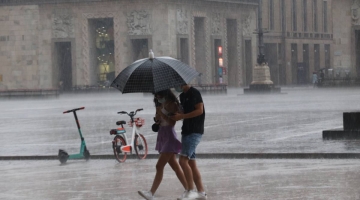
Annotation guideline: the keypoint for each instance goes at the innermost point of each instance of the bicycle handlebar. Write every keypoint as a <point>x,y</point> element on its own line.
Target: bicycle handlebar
<point>75,109</point>
<point>137,110</point>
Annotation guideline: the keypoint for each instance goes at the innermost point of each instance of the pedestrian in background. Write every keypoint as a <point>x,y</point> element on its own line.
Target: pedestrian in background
<point>314,79</point>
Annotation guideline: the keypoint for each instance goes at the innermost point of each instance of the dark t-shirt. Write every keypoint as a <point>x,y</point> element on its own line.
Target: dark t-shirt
<point>188,101</point>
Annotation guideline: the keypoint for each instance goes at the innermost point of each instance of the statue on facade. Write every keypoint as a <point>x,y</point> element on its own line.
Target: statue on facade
<point>246,26</point>
<point>62,24</point>
<point>182,22</point>
<point>355,12</point>
<point>139,23</point>
<point>216,24</point>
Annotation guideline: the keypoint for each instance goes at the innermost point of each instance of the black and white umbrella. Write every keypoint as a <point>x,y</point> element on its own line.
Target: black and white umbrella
<point>153,74</point>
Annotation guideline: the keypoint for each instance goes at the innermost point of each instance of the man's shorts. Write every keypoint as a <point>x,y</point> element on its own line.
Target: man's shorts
<point>189,144</point>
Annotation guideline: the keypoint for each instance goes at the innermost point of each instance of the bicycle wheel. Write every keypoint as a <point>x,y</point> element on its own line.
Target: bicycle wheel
<point>117,143</point>
<point>141,148</point>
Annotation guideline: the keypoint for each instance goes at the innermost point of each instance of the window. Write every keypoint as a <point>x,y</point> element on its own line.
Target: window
<point>325,16</point>
<point>305,15</point>
<point>316,57</point>
<point>283,22</point>
<point>327,55</point>
<point>183,50</point>
<point>102,49</point>
<point>294,18</point>
<point>271,12</point>
<point>315,15</point>
<point>279,51</point>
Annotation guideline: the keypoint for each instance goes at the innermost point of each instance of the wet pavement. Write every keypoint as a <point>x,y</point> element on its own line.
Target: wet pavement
<point>224,179</point>
<point>235,123</point>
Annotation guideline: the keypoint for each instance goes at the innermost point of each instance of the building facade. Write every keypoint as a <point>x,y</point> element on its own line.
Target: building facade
<point>309,35</point>
<point>88,42</point>
<point>300,38</point>
<point>346,40</point>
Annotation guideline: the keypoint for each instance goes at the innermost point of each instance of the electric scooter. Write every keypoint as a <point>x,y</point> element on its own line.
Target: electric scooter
<point>84,153</point>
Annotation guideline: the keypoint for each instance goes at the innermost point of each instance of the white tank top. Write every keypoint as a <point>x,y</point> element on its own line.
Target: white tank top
<point>163,121</point>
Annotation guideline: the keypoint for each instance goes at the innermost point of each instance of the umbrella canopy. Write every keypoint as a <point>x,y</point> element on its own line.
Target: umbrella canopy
<point>153,75</point>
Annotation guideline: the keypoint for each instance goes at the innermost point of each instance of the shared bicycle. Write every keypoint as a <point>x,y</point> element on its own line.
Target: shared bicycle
<point>120,144</point>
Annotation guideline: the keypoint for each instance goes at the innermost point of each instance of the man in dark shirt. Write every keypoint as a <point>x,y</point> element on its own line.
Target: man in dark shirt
<point>192,131</point>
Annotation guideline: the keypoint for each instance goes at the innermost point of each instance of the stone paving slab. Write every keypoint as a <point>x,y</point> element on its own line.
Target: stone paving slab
<point>225,179</point>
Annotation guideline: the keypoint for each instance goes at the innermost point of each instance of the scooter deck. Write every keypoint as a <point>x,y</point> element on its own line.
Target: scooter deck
<point>76,156</point>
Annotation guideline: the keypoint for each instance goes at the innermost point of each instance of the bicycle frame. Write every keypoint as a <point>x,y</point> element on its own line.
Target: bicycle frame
<point>135,131</point>
<point>128,148</point>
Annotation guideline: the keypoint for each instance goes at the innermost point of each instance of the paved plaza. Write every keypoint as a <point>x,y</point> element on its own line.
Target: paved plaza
<point>224,179</point>
<point>235,123</point>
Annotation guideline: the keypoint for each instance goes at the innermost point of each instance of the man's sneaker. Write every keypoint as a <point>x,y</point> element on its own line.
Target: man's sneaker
<point>188,195</point>
<point>146,194</point>
<point>202,196</point>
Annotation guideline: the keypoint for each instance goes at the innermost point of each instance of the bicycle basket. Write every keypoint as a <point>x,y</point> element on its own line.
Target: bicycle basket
<point>139,122</point>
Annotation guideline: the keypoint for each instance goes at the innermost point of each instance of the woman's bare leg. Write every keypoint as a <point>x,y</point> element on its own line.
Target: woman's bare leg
<point>163,159</point>
<point>178,171</point>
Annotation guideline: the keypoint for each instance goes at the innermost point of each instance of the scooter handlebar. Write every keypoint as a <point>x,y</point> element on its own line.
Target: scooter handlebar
<point>75,109</point>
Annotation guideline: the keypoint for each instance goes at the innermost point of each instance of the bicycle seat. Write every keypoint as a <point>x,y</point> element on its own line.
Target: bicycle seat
<point>120,122</point>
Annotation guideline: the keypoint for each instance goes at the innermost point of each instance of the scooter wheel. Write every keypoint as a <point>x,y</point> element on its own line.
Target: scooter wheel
<point>86,154</point>
<point>63,156</point>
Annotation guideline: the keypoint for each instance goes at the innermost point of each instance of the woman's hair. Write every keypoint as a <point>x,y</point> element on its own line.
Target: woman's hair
<point>167,94</point>
<point>156,102</point>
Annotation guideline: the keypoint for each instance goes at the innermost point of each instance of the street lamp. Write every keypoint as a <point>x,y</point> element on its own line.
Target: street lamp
<point>261,57</point>
<point>261,82</point>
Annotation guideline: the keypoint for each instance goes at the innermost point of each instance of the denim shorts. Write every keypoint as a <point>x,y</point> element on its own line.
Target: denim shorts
<point>189,144</point>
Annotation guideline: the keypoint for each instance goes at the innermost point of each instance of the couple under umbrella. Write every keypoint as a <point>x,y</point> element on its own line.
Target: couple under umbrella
<point>157,75</point>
